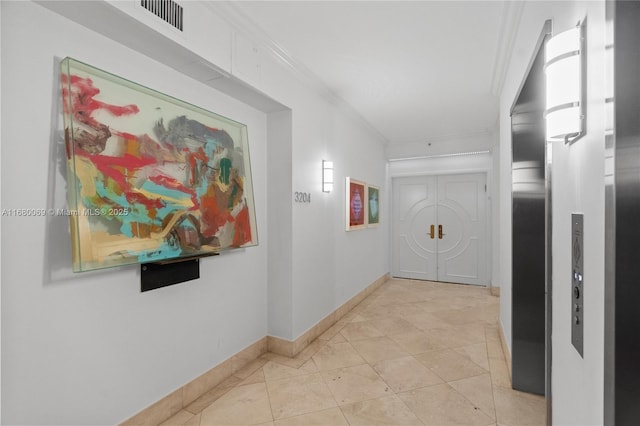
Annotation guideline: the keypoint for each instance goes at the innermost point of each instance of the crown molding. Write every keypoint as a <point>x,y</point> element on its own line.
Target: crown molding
<point>240,22</point>
<point>510,22</point>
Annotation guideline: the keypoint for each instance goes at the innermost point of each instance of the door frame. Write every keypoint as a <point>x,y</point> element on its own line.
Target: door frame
<point>488,211</point>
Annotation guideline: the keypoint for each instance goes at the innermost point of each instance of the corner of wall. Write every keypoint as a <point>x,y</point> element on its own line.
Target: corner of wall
<point>279,212</point>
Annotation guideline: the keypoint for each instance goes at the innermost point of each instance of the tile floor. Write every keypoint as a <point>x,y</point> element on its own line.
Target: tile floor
<point>412,353</point>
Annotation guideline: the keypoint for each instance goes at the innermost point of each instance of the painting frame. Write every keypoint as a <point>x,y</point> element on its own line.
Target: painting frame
<point>150,177</point>
<point>356,205</point>
<point>373,206</point>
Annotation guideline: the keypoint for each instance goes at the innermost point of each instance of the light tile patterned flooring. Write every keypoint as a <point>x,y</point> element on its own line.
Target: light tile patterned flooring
<point>412,353</point>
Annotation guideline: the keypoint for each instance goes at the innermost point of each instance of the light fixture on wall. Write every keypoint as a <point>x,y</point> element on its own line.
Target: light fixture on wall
<point>327,176</point>
<point>565,69</point>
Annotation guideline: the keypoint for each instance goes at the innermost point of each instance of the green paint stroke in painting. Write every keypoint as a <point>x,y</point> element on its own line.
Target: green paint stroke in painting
<point>225,170</point>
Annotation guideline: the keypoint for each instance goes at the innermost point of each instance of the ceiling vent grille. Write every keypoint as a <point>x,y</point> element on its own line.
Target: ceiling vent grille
<point>167,10</point>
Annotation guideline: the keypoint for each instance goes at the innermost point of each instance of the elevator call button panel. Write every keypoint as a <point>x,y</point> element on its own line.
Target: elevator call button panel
<point>577,282</point>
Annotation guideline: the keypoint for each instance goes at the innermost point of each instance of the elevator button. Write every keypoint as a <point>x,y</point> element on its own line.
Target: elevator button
<point>576,307</point>
<point>576,292</point>
<point>577,320</point>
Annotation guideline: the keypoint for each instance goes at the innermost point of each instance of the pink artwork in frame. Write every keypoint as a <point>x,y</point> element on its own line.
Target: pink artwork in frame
<point>356,201</point>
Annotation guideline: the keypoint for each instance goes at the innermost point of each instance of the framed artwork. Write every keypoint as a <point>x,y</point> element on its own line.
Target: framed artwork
<point>373,206</point>
<point>356,201</point>
<point>150,177</point>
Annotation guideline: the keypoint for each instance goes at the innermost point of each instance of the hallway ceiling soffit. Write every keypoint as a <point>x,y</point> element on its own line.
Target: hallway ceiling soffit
<point>114,22</point>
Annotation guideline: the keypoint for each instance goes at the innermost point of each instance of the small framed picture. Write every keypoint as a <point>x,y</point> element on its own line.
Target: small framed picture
<point>373,206</point>
<point>356,201</point>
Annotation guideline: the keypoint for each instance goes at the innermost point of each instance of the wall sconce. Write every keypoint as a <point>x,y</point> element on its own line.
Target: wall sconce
<point>565,69</point>
<point>327,176</point>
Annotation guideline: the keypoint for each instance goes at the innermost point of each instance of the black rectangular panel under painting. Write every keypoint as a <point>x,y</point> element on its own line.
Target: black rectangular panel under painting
<point>529,232</point>
<point>158,275</point>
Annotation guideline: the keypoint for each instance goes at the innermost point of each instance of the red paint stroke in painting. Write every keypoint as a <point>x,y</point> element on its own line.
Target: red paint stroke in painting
<point>112,167</point>
<point>83,103</point>
<point>135,198</point>
<point>192,159</point>
<point>242,233</point>
<point>172,183</point>
<point>213,217</point>
<point>126,161</point>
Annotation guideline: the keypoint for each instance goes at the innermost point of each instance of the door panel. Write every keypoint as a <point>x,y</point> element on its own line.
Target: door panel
<point>419,221</point>
<point>463,266</point>
<point>457,204</point>
<point>461,212</point>
<point>414,213</point>
<point>412,193</point>
<point>413,264</point>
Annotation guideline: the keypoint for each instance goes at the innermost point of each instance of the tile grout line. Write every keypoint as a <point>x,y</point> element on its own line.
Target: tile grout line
<point>495,418</point>
<point>266,387</point>
<point>493,393</point>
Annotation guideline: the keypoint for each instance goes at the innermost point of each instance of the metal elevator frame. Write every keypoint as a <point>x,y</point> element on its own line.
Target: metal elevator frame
<point>622,217</point>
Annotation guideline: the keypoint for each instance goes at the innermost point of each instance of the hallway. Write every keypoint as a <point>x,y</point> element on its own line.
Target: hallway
<point>412,353</point>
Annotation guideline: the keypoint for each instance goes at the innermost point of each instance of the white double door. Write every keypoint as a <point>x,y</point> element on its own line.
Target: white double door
<point>439,228</point>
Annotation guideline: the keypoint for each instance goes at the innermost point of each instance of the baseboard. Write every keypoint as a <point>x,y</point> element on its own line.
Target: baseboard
<point>505,347</point>
<point>292,348</point>
<point>177,400</point>
<point>187,394</point>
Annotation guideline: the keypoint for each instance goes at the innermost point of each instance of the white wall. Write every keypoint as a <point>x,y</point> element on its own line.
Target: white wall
<point>328,264</point>
<point>360,256</point>
<point>0,226</point>
<point>89,348</point>
<point>578,186</point>
<point>496,224</point>
<point>280,294</point>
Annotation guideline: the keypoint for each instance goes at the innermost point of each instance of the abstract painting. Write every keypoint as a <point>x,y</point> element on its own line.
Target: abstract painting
<point>373,199</point>
<point>356,204</point>
<point>150,177</point>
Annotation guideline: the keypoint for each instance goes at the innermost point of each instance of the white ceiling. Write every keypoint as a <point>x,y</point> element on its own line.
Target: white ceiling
<point>417,71</point>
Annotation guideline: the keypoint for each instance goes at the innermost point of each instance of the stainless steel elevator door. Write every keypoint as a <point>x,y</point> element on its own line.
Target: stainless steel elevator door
<point>529,232</point>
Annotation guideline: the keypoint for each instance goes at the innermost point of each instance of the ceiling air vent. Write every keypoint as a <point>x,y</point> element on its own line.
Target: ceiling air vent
<point>167,10</point>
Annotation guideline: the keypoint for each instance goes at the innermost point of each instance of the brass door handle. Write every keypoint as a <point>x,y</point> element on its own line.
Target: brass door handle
<point>432,232</point>
<point>440,234</point>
